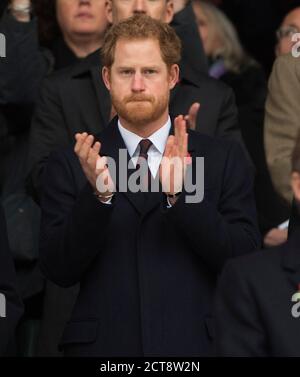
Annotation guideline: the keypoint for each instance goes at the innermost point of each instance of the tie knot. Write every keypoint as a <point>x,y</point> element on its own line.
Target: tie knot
<point>145,144</point>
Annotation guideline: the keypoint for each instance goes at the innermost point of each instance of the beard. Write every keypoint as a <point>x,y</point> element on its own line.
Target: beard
<point>140,109</point>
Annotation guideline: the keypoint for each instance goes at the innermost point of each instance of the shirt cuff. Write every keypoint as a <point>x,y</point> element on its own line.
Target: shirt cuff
<point>108,202</point>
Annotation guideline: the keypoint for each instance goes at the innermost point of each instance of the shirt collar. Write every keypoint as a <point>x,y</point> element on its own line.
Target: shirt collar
<point>158,138</point>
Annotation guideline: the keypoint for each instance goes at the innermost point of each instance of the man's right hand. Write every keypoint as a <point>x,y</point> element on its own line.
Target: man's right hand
<point>93,165</point>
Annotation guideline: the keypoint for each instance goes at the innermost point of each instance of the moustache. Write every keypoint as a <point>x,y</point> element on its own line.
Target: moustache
<point>139,98</point>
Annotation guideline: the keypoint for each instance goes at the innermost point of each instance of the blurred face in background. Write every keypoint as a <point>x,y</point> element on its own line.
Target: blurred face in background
<point>81,18</point>
<point>117,10</point>
<point>209,36</point>
<point>179,5</point>
<point>289,26</point>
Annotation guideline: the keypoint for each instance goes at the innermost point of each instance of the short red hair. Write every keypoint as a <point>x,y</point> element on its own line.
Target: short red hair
<point>142,27</point>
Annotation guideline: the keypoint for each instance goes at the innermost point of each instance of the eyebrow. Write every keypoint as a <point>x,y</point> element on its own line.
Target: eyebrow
<point>146,67</point>
<point>293,25</point>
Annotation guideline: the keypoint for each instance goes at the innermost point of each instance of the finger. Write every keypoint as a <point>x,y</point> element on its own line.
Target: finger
<point>186,154</point>
<point>93,155</point>
<point>96,147</point>
<point>193,111</point>
<point>79,135</point>
<point>175,151</point>
<point>192,115</point>
<point>176,120</point>
<point>85,148</point>
<point>186,118</point>
<point>96,151</point>
<point>101,164</point>
<point>169,146</point>
<point>184,127</point>
<point>183,146</point>
<point>80,138</point>
<point>176,126</point>
<point>182,132</point>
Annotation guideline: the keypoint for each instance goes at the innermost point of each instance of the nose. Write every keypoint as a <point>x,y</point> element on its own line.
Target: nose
<point>84,2</point>
<point>137,84</point>
<point>139,7</point>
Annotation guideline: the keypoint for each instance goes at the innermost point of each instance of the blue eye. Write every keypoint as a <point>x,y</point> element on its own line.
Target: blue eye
<point>126,72</point>
<point>149,71</point>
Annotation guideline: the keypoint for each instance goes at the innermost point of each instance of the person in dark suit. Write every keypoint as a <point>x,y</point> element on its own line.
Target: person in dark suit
<point>146,261</point>
<point>11,307</point>
<point>257,306</point>
<point>63,110</point>
<point>70,31</point>
<point>76,100</point>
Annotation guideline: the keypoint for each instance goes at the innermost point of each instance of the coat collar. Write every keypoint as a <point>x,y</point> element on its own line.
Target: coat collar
<point>91,61</point>
<point>85,82</point>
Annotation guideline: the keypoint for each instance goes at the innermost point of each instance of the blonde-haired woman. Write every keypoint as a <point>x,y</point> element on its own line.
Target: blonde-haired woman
<point>220,41</point>
<point>229,62</point>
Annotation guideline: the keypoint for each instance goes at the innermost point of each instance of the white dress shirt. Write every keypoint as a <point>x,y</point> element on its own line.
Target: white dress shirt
<point>156,150</point>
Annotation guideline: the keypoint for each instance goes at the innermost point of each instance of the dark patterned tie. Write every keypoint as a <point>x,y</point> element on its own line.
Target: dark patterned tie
<point>144,144</point>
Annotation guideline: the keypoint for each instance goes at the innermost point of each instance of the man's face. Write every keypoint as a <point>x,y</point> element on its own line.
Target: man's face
<point>289,26</point>
<point>81,17</point>
<point>139,82</point>
<point>117,10</point>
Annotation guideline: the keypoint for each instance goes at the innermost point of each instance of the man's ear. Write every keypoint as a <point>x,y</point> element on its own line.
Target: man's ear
<point>173,75</point>
<point>108,11</point>
<point>106,77</point>
<point>169,14</point>
<point>295,182</point>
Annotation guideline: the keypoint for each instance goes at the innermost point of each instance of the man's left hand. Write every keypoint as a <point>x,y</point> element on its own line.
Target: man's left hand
<point>175,159</point>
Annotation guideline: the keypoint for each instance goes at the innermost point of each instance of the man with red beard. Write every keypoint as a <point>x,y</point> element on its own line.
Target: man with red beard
<point>147,261</point>
<point>76,100</point>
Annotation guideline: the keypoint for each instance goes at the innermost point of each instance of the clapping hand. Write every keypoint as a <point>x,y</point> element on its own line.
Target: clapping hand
<point>175,159</point>
<point>93,165</point>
